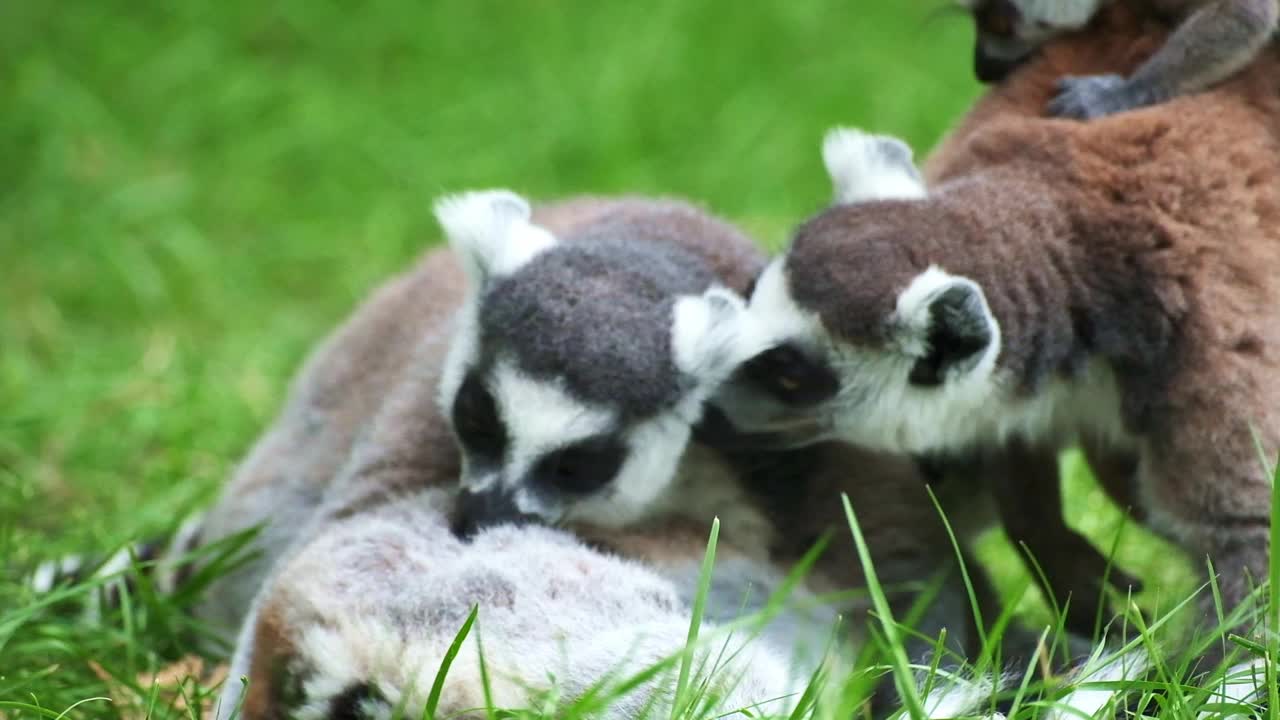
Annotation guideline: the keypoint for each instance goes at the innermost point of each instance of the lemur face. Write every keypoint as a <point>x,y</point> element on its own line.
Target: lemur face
<point>868,342</point>
<point>1009,31</point>
<point>577,369</point>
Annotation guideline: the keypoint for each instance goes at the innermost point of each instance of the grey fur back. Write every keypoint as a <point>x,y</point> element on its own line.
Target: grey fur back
<point>597,313</point>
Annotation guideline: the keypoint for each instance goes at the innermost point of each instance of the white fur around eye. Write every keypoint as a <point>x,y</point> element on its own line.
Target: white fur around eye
<point>774,313</point>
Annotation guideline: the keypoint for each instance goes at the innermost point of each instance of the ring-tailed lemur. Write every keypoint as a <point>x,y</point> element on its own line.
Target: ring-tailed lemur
<point>1213,40</point>
<point>1024,478</point>
<point>1109,280</point>
<point>356,624</point>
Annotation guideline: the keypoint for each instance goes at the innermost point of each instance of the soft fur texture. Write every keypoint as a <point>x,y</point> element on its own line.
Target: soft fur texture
<point>1131,265</point>
<point>370,606</point>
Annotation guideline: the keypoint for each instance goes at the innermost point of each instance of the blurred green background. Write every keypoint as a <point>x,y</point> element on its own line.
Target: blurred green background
<point>193,193</point>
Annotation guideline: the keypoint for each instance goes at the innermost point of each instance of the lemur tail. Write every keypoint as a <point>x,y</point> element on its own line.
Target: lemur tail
<point>1097,689</point>
<point>164,560</point>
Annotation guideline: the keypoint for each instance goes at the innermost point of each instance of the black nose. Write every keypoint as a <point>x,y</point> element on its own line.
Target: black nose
<point>479,510</point>
<point>990,69</point>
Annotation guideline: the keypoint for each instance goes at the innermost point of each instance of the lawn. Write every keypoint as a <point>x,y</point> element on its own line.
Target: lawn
<point>194,192</point>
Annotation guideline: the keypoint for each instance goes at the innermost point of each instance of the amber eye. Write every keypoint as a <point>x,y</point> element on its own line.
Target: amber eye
<point>583,467</point>
<point>790,375</point>
<point>476,420</point>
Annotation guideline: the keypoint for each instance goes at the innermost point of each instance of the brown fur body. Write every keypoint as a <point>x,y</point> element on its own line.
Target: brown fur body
<point>1148,241</point>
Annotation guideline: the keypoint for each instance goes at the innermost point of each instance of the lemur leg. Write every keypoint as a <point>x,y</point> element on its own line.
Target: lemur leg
<point>1116,472</point>
<point>1025,481</point>
<point>1206,489</point>
<point>1216,40</point>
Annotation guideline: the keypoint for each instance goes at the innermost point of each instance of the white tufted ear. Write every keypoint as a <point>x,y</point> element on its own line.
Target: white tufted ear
<point>712,334</point>
<point>944,322</point>
<point>866,167</point>
<point>490,230</point>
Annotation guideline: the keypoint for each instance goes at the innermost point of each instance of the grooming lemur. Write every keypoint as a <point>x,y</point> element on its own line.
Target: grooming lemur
<point>1023,477</point>
<point>557,364</point>
<point>1114,281</point>
<point>1213,40</point>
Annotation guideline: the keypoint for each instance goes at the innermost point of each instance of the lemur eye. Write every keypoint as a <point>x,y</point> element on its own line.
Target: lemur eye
<point>353,703</point>
<point>583,467</point>
<point>791,376</point>
<point>476,420</point>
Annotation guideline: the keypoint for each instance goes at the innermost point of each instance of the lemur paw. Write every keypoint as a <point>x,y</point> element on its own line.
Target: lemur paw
<point>1093,96</point>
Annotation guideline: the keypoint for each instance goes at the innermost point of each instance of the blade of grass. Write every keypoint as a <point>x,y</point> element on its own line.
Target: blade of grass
<point>437,686</point>
<point>485,683</point>
<point>1272,626</point>
<point>897,655</point>
<point>695,621</point>
<point>980,626</point>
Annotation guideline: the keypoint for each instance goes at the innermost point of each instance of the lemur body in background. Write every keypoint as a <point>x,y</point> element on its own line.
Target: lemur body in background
<point>1113,281</point>
<point>1213,40</point>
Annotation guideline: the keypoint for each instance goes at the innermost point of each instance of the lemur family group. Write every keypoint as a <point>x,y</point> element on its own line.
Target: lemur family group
<point>542,418</point>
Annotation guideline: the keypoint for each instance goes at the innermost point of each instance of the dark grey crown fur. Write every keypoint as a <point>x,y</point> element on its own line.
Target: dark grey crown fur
<point>598,314</point>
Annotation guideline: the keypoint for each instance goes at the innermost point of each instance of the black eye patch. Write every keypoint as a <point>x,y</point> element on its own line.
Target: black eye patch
<point>791,376</point>
<point>476,420</point>
<point>350,703</point>
<point>582,467</point>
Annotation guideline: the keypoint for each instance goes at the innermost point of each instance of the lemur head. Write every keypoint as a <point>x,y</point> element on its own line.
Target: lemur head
<point>578,365</point>
<point>868,341</point>
<point>1008,31</point>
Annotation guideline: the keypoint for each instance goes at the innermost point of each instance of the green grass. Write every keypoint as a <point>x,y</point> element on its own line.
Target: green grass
<point>193,193</point>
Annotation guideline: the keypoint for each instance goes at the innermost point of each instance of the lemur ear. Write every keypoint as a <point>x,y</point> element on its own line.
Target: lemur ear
<point>491,231</point>
<point>712,334</point>
<point>944,322</point>
<point>866,167</point>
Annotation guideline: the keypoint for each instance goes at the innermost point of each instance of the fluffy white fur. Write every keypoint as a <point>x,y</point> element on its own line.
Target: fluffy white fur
<point>377,599</point>
<point>911,317</point>
<point>711,335</point>
<point>492,230</point>
<point>777,316</point>
<point>1244,684</point>
<point>866,167</point>
<point>1061,15</point>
